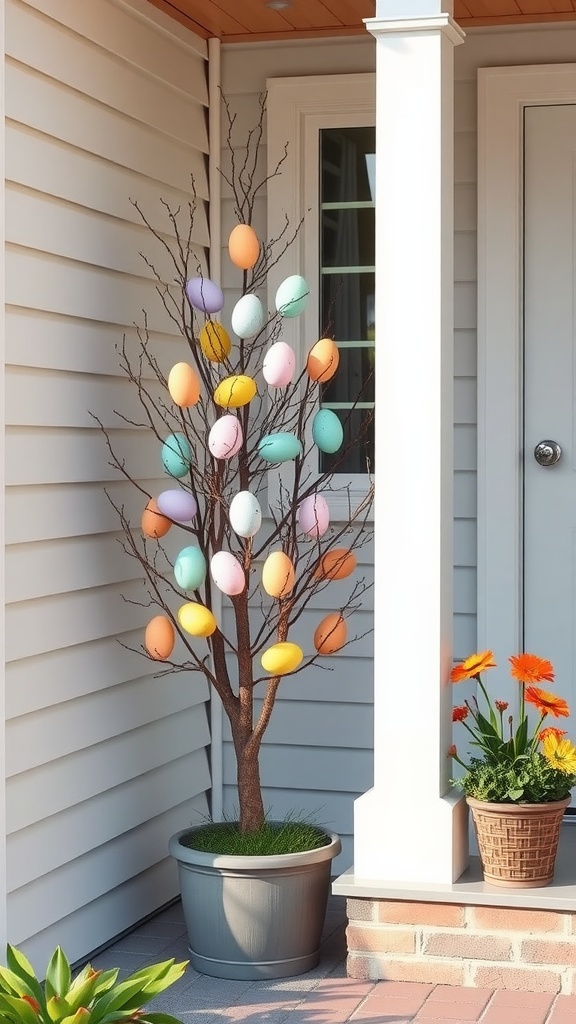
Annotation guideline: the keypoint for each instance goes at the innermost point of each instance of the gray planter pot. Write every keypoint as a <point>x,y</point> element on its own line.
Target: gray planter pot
<point>250,918</point>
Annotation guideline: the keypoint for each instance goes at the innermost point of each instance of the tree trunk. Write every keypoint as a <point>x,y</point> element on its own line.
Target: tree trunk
<point>249,792</point>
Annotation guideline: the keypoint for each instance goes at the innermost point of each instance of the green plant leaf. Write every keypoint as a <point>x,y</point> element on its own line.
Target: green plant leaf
<point>521,737</point>
<point>82,1016</point>
<point>22,968</point>
<point>84,988</point>
<point>58,975</point>
<point>12,983</point>
<point>56,1008</point>
<point>18,1009</point>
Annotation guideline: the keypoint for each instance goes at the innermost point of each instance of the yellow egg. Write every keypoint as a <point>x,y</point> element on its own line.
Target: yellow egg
<point>336,564</point>
<point>154,524</point>
<point>215,341</point>
<point>196,619</point>
<point>282,658</point>
<point>243,246</point>
<point>278,574</point>
<point>183,385</point>
<point>159,638</point>
<point>330,635</point>
<point>323,359</point>
<point>232,392</point>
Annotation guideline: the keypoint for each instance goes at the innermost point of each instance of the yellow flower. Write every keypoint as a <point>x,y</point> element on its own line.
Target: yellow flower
<point>561,754</point>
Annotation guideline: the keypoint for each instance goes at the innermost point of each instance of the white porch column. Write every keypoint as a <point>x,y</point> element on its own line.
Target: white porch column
<point>412,826</point>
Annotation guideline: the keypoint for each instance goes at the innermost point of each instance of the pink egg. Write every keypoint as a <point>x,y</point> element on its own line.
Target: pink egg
<point>204,295</point>
<point>227,573</point>
<point>225,437</point>
<point>180,506</point>
<point>279,365</point>
<point>314,516</point>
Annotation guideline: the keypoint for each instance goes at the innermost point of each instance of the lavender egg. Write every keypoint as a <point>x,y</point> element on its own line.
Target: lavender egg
<point>227,573</point>
<point>314,516</point>
<point>225,437</point>
<point>204,295</point>
<point>180,506</point>
<point>248,317</point>
<point>279,365</point>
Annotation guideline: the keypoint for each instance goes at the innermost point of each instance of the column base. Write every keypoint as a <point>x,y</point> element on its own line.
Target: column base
<point>411,841</point>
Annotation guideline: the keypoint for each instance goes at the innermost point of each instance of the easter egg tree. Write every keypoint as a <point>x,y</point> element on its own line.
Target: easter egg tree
<point>238,406</point>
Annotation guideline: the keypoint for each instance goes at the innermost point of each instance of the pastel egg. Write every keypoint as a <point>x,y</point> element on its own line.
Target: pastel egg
<point>245,514</point>
<point>183,385</point>
<point>327,431</point>
<point>196,619</point>
<point>159,638</point>
<point>227,573</point>
<point>279,447</point>
<point>248,317</point>
<point>314,516</point>
<point>190,568</point>
<point>205,295</point>
<point>225,437</point>
<point>153,523</point>
<point>292,296</point>
<point>323,359</point>
<point>279,365</point>
<point>330,635</point>
<point>235,391</point>
<point>278,575</point>
<point>336,564</point>
<point>176,455</point>
<point>180,506</point>
<point>214,341</point>
<point>243,246</point>
<point>281,658</point>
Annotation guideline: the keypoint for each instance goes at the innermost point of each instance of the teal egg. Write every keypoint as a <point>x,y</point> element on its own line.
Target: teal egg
<point>292,296</point>
<point>327,431</point>
<point>190,568</point>
<point>279,447</point>
<point>176,455</point>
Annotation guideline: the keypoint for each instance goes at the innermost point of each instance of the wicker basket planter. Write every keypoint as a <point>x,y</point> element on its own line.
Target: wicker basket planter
<point>518,842</point>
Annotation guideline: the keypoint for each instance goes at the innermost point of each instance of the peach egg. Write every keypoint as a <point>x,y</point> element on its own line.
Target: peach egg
<point>159,638</point>
<point>154,524</point>
<point>183,385</point>
<point>323,359</point>
<point>330,634</point>
<point>243,246</point>
<point>278,574</point>
<point>336,564</point>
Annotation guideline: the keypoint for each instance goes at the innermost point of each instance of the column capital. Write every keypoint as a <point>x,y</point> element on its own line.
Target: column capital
<point>442,23</point>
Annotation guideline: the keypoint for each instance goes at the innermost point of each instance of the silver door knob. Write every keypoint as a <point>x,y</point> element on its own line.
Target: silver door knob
<point>547,453</point>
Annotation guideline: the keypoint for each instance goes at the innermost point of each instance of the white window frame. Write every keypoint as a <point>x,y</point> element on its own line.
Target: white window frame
<point>503,93</point>
<point>297,110</point>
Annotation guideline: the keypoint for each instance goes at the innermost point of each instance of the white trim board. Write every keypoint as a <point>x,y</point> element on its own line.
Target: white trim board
<point>503,94</point>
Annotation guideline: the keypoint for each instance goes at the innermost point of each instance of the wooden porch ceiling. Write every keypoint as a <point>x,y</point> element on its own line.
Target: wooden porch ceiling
<point>235,21</point>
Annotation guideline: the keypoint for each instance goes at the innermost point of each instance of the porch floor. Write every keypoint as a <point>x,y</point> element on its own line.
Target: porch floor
<point>325,995</point>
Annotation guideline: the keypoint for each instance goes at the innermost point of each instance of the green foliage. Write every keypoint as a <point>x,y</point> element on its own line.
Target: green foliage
<point>528,778</point>
<point>291,836</point>
<point>92,997</point>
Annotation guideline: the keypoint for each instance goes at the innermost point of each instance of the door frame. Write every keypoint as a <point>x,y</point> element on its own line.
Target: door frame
<point>503,94</point>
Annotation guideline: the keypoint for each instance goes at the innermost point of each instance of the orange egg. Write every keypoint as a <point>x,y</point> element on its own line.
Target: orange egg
<point>154,524</point>
<point>323,359</point>
<point>159,638</point>
<point>278,574</point>
<point>330,635</point>
<point>243,246</point>
<point>183,385</point>
<point>336,564</point>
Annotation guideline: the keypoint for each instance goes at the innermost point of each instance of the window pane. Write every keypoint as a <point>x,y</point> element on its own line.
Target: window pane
<point>355,377</point>
<point>357,423</point>
<point>348,238</point>
<point>347,164</point>
<point>348,306</point>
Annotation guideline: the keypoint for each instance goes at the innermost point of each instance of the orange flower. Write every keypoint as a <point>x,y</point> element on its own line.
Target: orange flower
<point>529,668</point>
<point>551,731</point>
<point>546,702</point>
<point>452,751</point>
<point>459,714</point>
<point>501,705</point>
<point>472,666</point>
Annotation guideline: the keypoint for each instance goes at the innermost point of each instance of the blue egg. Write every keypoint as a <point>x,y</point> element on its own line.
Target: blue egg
<point>176,455</point>
<point>327,431</point>
<point>292,296</point>
<point>279,447</point>
<point>190,568</point>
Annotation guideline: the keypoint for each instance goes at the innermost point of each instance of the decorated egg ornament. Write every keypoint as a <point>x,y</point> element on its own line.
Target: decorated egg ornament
<point>278,575</point>
<point>227,573</point>
<point>279,365</point>
<point>279,447</point>
<point>235,391</point>
<point>180,506</point>
<point>243,246</point>
<point>159,638</point>
<point>248,317</point>
<point>314,516</point>
<point>336,564</point>
<point>196,619</point>
<point>215,341</point>
<point>323,360</point>
<point>281,658</point>
<point>204,295</point>
<point>190,568</point>
<point>330,635</point>
<point>153,523</point>
<point>176,455</point>
<point>225,437</point>
<point>292,296</point>
<point>327,431</point>
<point>183,385</point>
<point>245,514</point>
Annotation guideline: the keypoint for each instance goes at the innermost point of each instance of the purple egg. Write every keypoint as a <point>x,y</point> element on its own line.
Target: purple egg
<point>204,295</point>
<point>180,506</point>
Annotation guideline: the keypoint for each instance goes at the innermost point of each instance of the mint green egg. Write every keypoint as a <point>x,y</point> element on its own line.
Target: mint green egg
<point>292,296</point>
<point>327,431</point>
<point>190,568</point>
<point>176,455</point>
<point>279,447</point>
